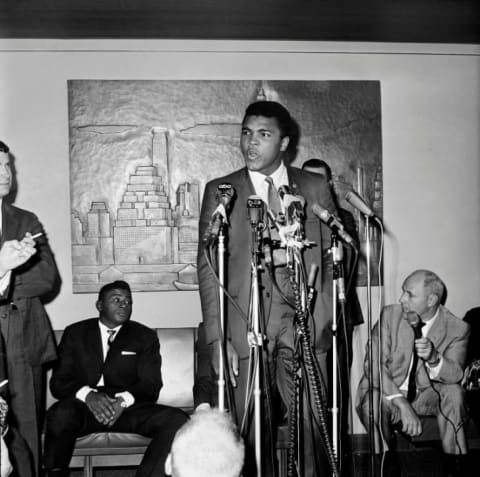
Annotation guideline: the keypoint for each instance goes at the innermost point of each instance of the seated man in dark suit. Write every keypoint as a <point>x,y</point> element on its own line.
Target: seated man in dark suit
<point>108,379</point>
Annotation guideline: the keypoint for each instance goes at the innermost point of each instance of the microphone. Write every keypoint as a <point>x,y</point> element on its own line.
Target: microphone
<point>311,292</point>
<point>354,199</point>
<point>224,195</point>
<point>337,227</point>
<point>416,323</point>
<point>255,210</point>
<point>293,204</point>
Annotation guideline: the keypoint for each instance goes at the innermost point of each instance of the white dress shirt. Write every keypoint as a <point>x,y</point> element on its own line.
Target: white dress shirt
<point>85,390</point>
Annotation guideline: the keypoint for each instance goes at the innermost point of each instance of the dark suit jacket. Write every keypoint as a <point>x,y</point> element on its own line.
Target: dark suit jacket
<point>132,363</point>
<point>315,190</point>
<point>448,334</point>
<point>472,317</point>
<point>29,283</point>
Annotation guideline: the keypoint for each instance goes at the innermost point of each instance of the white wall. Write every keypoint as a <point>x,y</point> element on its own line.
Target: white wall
<point>431,147</point>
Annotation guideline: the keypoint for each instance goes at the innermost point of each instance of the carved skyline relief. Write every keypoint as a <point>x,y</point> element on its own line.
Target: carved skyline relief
<point>141,153</point>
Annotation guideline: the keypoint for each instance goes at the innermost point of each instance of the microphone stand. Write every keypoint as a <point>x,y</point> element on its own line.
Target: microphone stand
<point>256,343</point>
<point>221,297</point>
<point>338,296</point>
<point>371,422</point>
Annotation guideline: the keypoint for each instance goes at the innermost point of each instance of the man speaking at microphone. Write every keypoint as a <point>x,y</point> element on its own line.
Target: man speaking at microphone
<point>411,387</point>
<point>264,140</point>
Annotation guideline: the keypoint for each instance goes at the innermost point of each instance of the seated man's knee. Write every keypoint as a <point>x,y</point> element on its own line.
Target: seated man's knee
<point>453,394</point>
<point>173,417</point>
<point>62,415</point>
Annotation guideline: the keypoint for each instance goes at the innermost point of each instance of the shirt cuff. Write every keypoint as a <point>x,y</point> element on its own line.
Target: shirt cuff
<point>82,393</point>
<point>127,397</point>
<point>393,396</point>
<point>5,281</point>
<point>434,371</point>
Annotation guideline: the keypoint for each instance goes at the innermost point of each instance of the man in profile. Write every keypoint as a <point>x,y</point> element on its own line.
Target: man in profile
<point>107,379</point>
<point>412,387</point>
<point>208,445</point>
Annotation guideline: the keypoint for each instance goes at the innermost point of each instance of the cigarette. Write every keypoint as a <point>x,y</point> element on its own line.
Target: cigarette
<point>37,235</point>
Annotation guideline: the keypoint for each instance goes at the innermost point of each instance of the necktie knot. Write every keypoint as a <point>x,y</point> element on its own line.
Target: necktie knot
<point>111,336</point>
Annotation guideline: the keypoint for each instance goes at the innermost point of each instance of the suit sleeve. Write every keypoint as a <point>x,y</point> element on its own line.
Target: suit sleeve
<point>325,199</point>
<point>383,326</point>
<point>149,377</point>
<point>455,354</point>
<point>209,293</point>
<point>67,378</point>
<point>39,276</point>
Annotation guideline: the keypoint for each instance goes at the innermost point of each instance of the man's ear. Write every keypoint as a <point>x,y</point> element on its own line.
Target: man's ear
<point>99,306</point>
<point>284,143</point>
<point>432,300</point>
<point>168,464</point>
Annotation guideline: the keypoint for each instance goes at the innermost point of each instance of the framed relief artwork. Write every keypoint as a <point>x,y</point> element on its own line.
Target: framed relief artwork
<point>141,153</point>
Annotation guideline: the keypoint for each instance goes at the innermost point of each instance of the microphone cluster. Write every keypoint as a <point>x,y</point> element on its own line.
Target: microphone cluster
<point>224,195</point>
<point>288,223</point>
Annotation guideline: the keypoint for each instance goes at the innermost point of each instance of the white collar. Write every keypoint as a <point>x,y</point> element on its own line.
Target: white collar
<point>104,329</point>
<point>279,177</point>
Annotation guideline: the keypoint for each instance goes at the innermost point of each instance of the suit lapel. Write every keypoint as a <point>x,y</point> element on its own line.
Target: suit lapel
<point>246,184</point>
<point>292,181</point>
<point>10,225</point>
<point>94,345</point>
<point>437,331</point>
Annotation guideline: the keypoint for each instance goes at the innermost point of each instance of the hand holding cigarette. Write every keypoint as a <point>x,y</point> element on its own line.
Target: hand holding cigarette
<point>15,253</point>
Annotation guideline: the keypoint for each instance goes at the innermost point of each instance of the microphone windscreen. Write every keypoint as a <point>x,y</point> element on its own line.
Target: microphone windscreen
<point>312,275</point>
<point>255,209</point>
<point>320,212</point>
<point>357,202</point>
<point>413,318</point>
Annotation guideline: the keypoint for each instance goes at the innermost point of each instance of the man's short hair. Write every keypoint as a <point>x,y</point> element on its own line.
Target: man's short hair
<point>433,283</point>
<point>118,284</point>
<point>4,148</point>
<point>317,164</point>
<point>271,109</point>
<point>207,445</point>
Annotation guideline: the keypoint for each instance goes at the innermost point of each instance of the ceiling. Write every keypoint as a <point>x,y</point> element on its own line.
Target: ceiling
<point>419,21</point>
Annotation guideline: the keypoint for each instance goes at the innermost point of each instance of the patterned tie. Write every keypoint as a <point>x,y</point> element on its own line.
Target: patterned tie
<point>111,336</point>
<point>412,377</point>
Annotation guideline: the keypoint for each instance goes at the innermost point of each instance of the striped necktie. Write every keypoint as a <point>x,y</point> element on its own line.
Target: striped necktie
<point>111,336</point>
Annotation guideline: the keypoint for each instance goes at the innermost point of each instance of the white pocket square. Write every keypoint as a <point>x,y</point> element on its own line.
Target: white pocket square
<point>128,353</point>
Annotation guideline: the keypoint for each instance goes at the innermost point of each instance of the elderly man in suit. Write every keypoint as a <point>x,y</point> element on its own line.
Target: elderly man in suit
<point>24,323</point>
<point>265,138</point>
<point>108,379</point>
<point>420,326</point>
<point>208,445</point>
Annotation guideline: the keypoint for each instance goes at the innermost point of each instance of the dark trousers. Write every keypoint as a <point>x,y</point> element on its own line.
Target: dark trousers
<point>70,418</point>
<point>25,388</point>
<point>279,383</point>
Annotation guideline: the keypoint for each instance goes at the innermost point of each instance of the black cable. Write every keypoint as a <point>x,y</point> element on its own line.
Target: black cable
<point>242,315</point>
<point>312,370</point>
<point>455,430</point>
